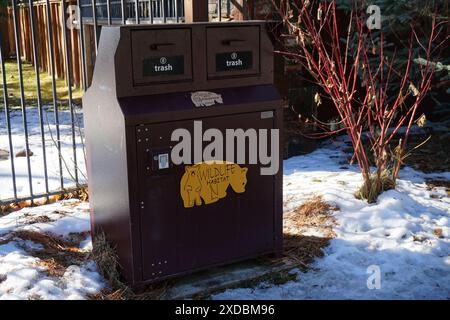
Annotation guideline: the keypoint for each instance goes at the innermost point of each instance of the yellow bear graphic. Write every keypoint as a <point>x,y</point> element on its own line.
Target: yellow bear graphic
<point>209,181</point>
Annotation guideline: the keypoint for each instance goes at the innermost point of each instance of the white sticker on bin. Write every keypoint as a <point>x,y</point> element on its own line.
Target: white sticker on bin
<point>266,114</point>
<point>205,98</point>
<point>163,161</point>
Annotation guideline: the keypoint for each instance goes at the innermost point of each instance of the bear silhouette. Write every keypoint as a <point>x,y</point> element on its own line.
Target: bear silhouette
<point>207,182</point>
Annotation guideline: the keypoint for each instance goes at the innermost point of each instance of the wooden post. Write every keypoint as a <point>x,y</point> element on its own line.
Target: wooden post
<point>12,45</point>
<point>5,31</point>
<point>89,49</point>
<point>196,11</point>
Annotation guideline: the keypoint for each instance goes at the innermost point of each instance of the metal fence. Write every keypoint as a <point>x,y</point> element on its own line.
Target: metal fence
<point>152,11</point>
<point>45,66</point>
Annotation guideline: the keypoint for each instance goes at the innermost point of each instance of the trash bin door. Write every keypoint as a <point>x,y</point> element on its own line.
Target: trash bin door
<point>233,51</point>
<point>161,56</point>
<point>177,239</point>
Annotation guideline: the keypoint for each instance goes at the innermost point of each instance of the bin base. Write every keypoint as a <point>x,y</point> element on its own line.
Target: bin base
<point>204,283</point>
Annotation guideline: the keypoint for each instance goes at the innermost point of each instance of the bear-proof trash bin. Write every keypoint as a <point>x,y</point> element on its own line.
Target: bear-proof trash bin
<point>183,135</point>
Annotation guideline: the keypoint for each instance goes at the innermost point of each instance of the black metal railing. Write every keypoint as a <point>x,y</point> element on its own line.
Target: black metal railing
<point>44,70</point>
<point>153,11</point>
<point>41,161</point>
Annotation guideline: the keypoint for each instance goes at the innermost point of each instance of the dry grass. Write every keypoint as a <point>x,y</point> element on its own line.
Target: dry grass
<point>371,189</point>
<point>108,265</point>
<point>81,194</point>
<point>39,219</point>
<point>52,267</point>
<point>436,183</point>
<point>438,233</point>
<point>313,214</point>
<point>57,253</point>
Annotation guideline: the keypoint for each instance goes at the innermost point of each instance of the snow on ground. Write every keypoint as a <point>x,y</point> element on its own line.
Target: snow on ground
<point>64,218</point>
<point>35,143</point>
<point>23,276</point>
<point>398,234</point>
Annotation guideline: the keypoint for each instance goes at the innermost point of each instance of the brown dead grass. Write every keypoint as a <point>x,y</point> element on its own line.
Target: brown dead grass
<point>312,214</point>
<point>80,194</point>
<point>57,253</point>
<point>8,208</point>
<point>108,265</point>
<point>152,292</point>
<point>370,190</point>
<point>39,219</point>
<point>52,267</point>
<point>15,206</point>
<point>104,254</point>
<point>438,183</point>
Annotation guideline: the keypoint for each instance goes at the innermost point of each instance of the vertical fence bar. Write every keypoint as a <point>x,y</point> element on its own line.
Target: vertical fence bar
<point>136,10</point>
<point>123,8</point>
<point>82,49</point>
<point>7,119</point>
<point>108,8</point>
<point>22,95</point>
<point>38,92</point>
<point>69,89</point>
<point>177,14</point>
<point>54,97</point>
<point>163,8</point>
<point>219,9</point>
<point>94,20</point>
<point>151,13</point>
<point>228,8</point>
